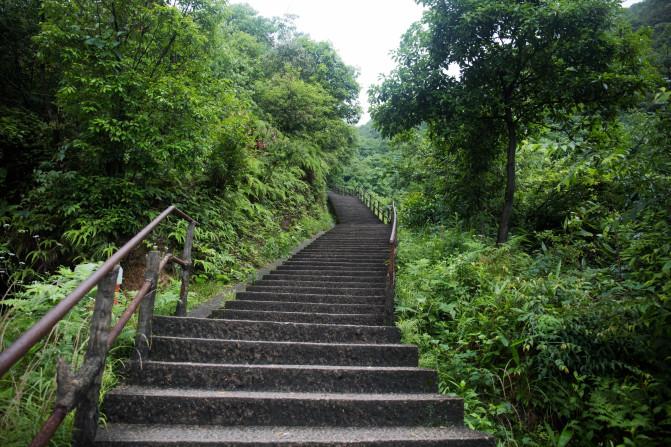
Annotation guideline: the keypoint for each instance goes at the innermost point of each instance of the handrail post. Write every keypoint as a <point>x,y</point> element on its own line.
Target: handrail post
<point>143,333</point>
<point>86,418</point>
<point>186,271</point>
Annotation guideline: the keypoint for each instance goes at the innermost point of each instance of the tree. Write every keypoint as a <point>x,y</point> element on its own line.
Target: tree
<point>520,63</point>
<point>318,62</point>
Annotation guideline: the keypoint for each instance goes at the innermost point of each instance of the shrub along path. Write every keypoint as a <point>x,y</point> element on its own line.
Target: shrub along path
<point>301,358</point>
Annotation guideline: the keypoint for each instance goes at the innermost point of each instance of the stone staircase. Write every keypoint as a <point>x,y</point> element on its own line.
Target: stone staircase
<point>301,358</point>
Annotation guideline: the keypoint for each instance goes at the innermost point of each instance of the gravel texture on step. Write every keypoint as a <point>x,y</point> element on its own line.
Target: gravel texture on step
<point>334,265</point>
<point>282,353</point>
<point>350,273</point>
<point>303,317</point>
<point>370,279</point>
<point>140,404</point>
<point>311,297</point>
<point>126,435</point>
<point>307,306</point>
<point>274,331</point>
<point>351,291</point>
<point>348,284</point>
<point>283,378</point>
<point>334,270</point>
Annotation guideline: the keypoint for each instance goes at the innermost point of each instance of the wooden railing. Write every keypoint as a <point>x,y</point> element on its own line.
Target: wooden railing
<point>387,215</point>
<point>81,389</point>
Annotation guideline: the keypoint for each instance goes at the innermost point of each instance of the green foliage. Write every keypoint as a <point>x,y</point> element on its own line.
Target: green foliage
<point>657,15</point>
<point>235,118</point>
<point>28,389</point>
<point>544,352</point>
<point>520,63</point>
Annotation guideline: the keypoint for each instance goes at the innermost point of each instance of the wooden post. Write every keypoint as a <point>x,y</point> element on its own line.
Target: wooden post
<point>86,418</point>
<point>143,333</point>
<point>186,271</point>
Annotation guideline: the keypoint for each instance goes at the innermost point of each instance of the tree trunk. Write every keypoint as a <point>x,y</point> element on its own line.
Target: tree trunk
<point>507,211</point>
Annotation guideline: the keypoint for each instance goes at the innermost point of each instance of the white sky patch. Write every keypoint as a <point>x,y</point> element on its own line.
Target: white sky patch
<point>364,32</point>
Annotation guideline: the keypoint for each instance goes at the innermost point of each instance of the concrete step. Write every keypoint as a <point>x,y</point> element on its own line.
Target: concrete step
<point>372,274</point>
<point>346,269</point>
<point>349,250</point>
<point>283,378</point>
<point>321,244</point>
<point>352,241</point>
<point>348,291</point>
<point>203,350</point>
<point>311,298</point>
<point>344,283</point>
<point>302,317</point>
<point>138,435</point>
<point>291,306</point>
<point>150,405</point>
<point>327,277</point>
<point>335,263</point>
<point>326,256</point>
<point>340,255</point>
<point>272,331</point>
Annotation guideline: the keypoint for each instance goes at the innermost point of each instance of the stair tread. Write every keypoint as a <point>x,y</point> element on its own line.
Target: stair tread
<point>278,367</point>
<point>289,343</point>
<point>324,314</point>
<point>316,303</point>
<point>280,323</point>
<point>337,319</point>
<point>191,393</point>
<point>269,434</point>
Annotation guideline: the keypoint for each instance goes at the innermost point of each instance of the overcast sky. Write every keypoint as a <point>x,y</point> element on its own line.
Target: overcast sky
<point>363,32</point>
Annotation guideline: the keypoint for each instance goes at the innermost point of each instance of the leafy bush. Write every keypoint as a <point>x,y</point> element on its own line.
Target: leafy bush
<point>544,353</point>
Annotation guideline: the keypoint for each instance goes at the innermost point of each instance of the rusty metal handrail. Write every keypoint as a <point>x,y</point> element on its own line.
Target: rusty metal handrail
<point>391,267</point>
<point>28,339</point>
<point>81,389</point>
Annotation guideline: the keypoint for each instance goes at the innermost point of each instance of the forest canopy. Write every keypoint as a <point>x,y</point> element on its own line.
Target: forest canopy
<point>111,110</point>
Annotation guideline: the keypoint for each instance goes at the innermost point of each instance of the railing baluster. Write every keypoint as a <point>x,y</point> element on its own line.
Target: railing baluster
<point>143,333</point>
<point>186,271</point>
<point>86,418</point>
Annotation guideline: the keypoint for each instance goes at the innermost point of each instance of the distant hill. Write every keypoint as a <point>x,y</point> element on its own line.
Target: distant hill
<point>657,15</point>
